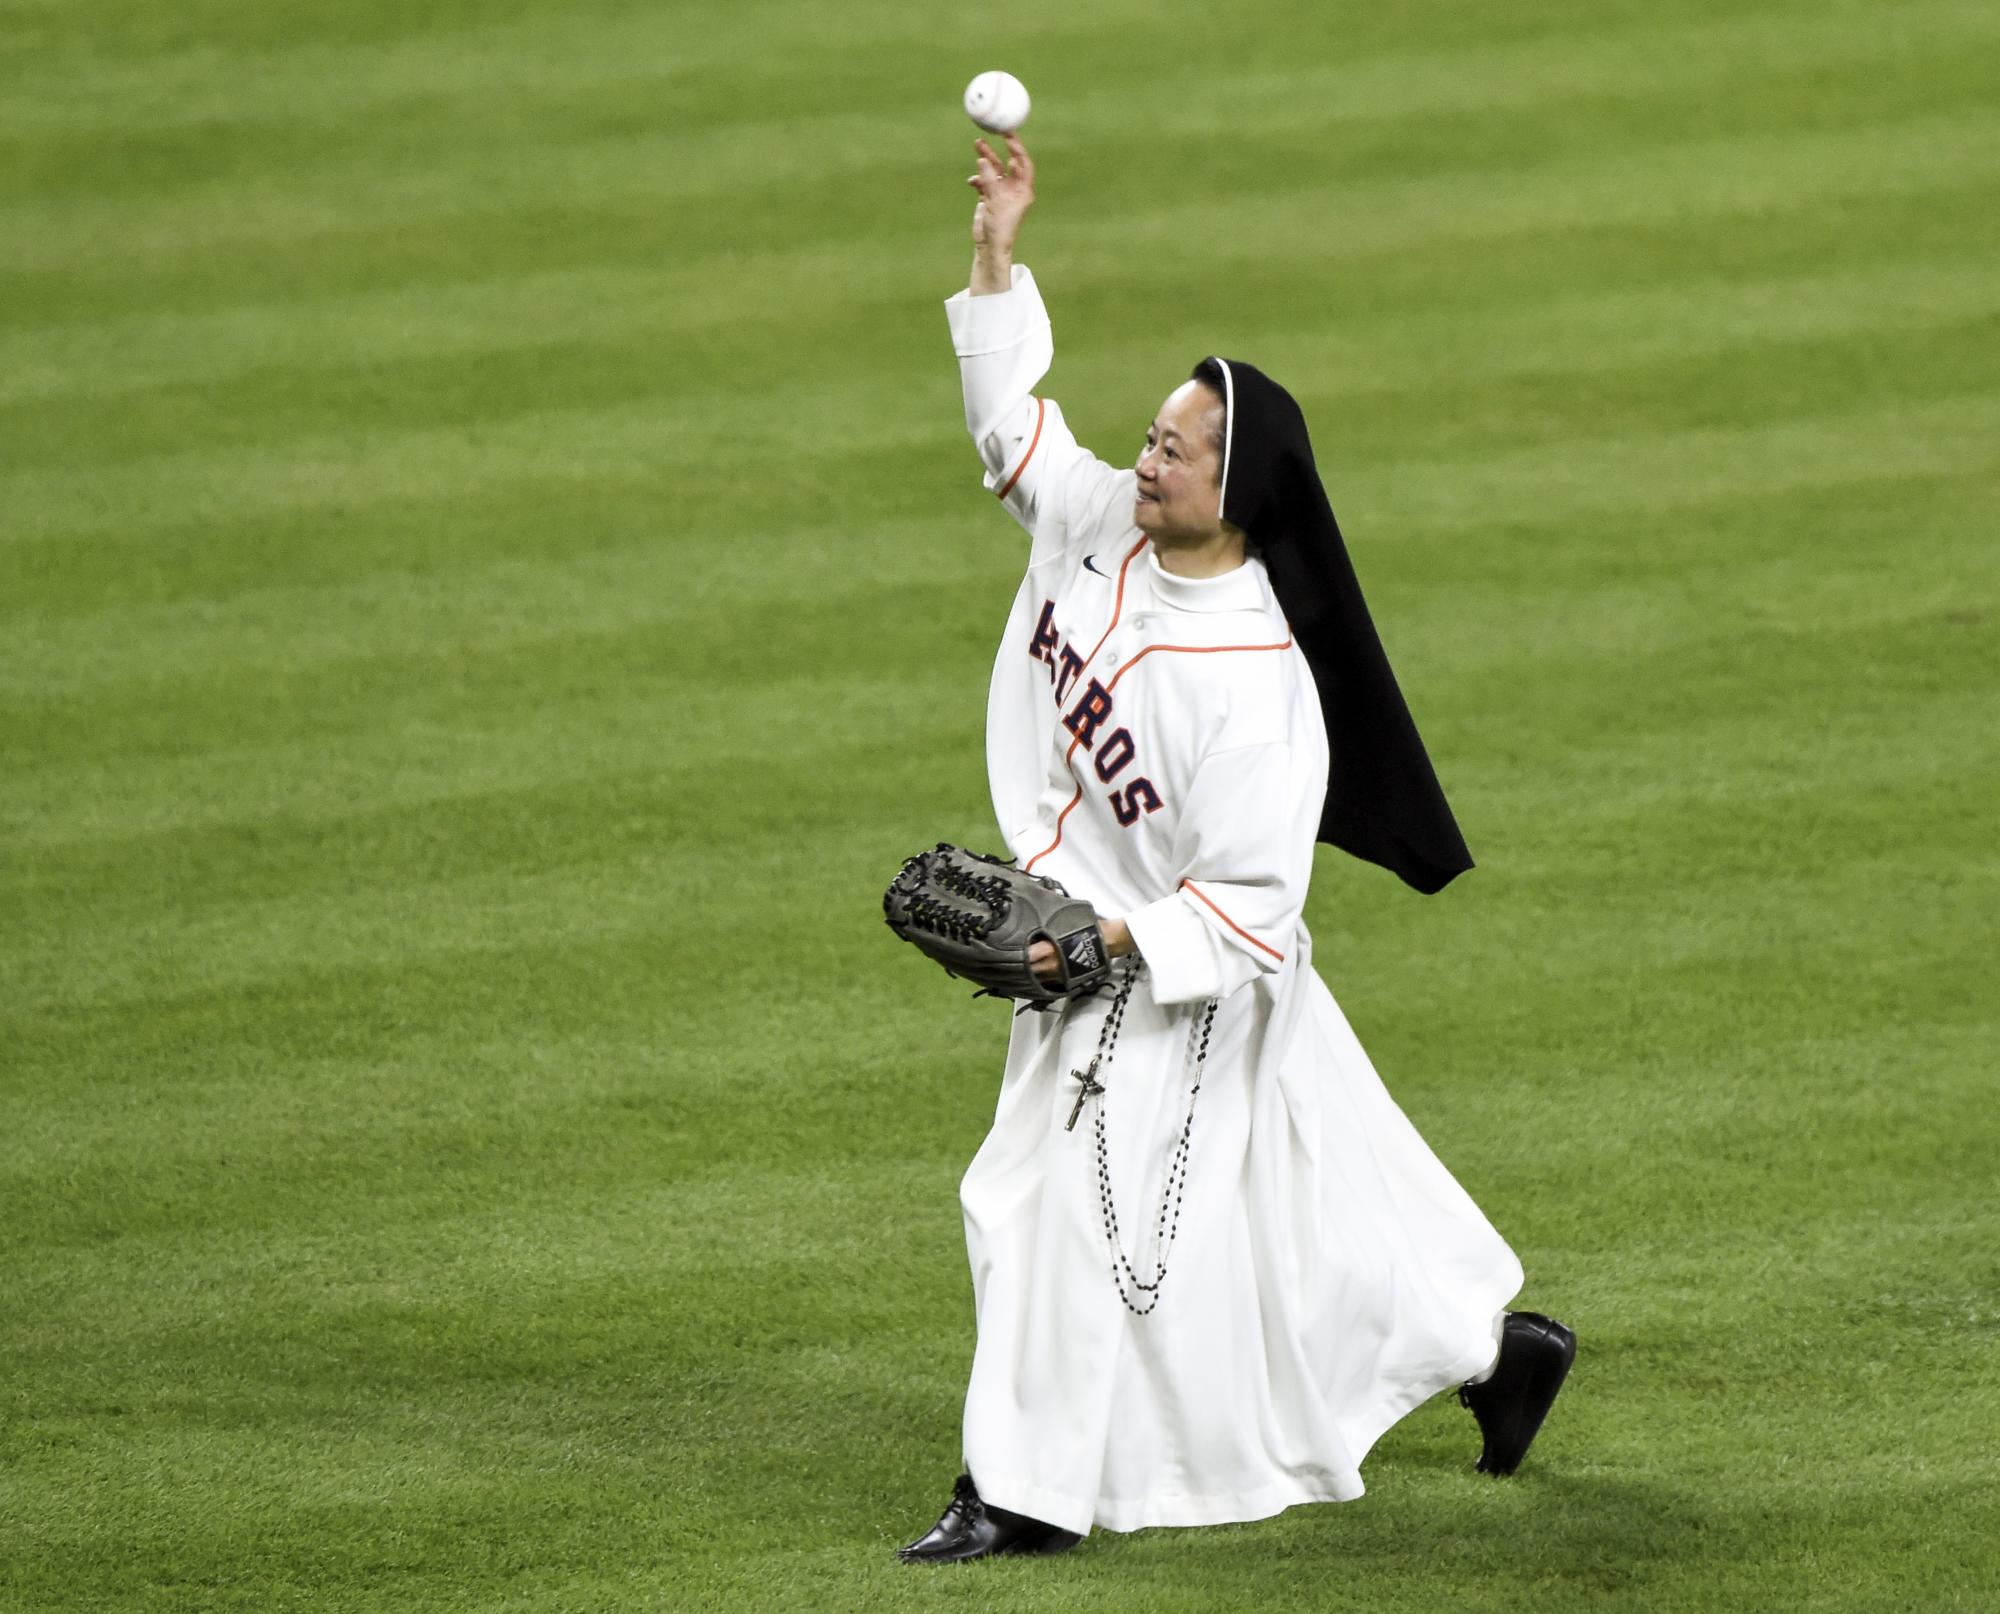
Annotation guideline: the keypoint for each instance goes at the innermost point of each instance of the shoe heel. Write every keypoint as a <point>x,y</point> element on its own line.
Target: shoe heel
<point>1550,1371</point>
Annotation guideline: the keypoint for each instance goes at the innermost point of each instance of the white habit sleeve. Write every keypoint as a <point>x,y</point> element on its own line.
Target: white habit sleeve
<point>1243,860</point>
<point>1048,482</point>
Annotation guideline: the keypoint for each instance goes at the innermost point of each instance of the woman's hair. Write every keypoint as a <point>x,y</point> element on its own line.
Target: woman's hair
<point>1209,374</point>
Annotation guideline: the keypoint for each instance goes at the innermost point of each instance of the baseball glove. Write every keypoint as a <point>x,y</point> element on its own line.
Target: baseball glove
<point>978,916</point>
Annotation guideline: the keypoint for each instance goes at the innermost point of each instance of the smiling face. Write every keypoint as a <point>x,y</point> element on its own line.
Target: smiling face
<point>1180,469</point>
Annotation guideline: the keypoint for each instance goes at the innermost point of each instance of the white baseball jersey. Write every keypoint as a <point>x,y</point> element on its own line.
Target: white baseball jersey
<point>1155,743</point>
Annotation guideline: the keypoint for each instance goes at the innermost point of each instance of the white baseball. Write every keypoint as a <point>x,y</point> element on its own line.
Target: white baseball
<point>997,102</point>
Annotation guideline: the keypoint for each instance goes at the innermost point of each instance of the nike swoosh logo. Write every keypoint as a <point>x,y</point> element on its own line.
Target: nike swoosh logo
<point>1087,559</point>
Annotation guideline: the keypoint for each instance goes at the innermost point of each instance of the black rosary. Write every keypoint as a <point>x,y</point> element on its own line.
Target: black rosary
<point>1164,1231</point>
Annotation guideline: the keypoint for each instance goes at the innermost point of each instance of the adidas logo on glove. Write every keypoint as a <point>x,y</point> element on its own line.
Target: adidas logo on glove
<point>1082,951</point>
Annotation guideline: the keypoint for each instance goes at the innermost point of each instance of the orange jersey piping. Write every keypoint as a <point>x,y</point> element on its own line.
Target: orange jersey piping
<point>1178,649</point>
<point>1117,609</point>
<point>1189,885</point>
<point>1041,409</point>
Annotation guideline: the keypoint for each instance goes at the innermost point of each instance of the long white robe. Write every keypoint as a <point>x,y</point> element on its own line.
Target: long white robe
<point>1155,743</point>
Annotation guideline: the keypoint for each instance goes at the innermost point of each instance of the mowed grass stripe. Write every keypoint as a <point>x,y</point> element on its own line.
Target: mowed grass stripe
<point>1806,250</point>
<point>1586,476</point>
<point>650,877</point>
<point>618,662</point>
<point>739,1215</point>
<point>1696,181</point>
<point>1794,329</point>
<point>416,1107</point>
<point>1685,998</point>
<point>208,815</point>
<point>1888,307</point>
<point>542,69</point>
<point>1455,613</point>
<point>27,496</point>
<point>1870,941</point>
<point>611,213</point>
<point>478,77</point>
<point>407,735</point>
<point>474,867</point>
<point>227,64</point>
<point>1700,988</point>
<point>1920,337</point>
<point>295,1148</point>
<point>421,1134</point>
<point>1619,473</point>
<point>741,450</point>
<point>1896,692</point>
<point>311,1145</point>
<point>1409,111</point>
<point>485,1057</point>
<point>267,1350</point>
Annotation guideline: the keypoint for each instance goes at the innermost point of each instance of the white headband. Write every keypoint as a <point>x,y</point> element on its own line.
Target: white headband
<point>1228,434</point>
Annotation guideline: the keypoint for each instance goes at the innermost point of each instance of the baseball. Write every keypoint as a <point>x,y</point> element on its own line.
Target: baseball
<point>997,102</point>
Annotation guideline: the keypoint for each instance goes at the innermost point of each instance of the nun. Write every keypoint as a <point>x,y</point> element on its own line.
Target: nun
<point>1212,1260</point>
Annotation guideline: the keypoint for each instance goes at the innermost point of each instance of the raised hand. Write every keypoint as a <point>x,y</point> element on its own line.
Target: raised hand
<point>1006,192</point>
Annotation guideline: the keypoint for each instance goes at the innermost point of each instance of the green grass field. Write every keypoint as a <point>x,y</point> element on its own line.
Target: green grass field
<point>494,582</point>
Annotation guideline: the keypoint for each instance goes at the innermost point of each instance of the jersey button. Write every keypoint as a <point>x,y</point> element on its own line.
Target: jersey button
<point>1110,658</point>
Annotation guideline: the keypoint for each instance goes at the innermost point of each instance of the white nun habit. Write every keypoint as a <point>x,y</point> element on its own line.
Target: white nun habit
<point>1156,743</point>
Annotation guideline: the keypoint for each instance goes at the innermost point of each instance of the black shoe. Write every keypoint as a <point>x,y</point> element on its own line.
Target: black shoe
<point>1535,1354</point>
<point>970,1529</point>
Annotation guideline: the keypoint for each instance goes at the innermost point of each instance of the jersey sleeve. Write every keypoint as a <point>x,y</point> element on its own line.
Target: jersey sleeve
<point>1050,484</point>
<point>1243,855</point>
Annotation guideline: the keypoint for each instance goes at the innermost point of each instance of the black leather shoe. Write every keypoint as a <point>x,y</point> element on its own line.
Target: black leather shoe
<point>970,1529</point>
<point>1535,1354</point>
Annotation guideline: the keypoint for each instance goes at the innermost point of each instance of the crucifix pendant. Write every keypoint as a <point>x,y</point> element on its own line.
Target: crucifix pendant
<point>1091,1086</point>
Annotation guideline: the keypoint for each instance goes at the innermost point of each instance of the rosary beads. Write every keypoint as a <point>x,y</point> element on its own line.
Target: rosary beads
<point>1123,1275</point>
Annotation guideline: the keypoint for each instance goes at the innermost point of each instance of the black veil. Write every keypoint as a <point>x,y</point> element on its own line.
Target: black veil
<point>1383,800</point>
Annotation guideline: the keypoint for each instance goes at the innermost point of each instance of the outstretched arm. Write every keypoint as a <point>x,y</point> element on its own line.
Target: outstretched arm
<point>1005,195</point>
<point>1000,331</point>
